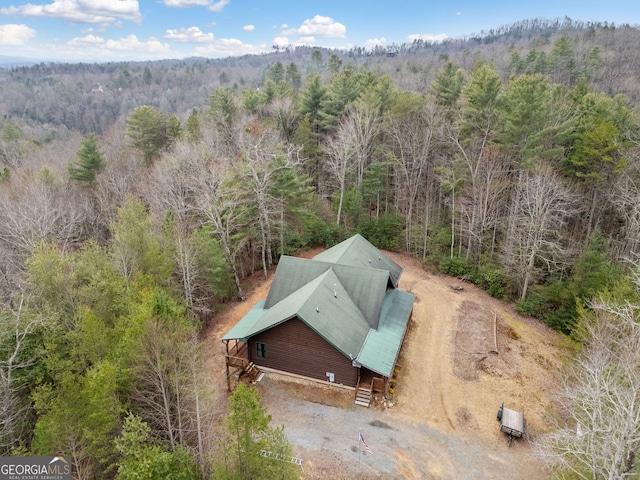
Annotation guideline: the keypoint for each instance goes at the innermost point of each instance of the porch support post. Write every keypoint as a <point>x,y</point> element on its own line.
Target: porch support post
<point>226,364</point>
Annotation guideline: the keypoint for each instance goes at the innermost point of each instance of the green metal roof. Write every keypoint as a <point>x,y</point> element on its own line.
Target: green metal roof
<point>239,330</point>
<point>334,317</point>
<point>346,304</point>
<point>380,350</point>
<point>291,274</point>
<point>365,286</point>
<point>357,251</point>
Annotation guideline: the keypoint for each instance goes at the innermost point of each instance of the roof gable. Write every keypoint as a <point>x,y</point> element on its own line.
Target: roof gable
<point>332,314</point>
<point>357,251</point>
<point>323,304</point>
<point>364,286</point>
<point>291,274</point>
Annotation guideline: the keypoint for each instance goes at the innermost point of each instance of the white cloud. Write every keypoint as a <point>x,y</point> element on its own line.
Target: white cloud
<point>218,6</point>
<point>374,42</point>
<point>249,28</point>
<point>83,11</point>
<point>229,47</point>
<point>281,41</point>
<point>308,40</point>
<point>319,26</point>
<point>429,37</point>
<point>189,35</point>
<point>93,47</point>
<point>186,3</point>
<point>131,43</point>
<point>458,14</point>
<point>12,34</point>
<point>86,40</point>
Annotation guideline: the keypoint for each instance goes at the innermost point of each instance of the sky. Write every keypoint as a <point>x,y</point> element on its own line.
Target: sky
<point>123,30</point>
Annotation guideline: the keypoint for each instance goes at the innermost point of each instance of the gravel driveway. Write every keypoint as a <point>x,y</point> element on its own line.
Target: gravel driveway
<point>326,438</point>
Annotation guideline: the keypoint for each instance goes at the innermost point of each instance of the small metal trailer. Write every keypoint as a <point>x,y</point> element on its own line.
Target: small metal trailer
<point>511,422</point>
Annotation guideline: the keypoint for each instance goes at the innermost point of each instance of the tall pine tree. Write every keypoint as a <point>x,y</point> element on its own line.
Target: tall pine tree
<point>90,161</point>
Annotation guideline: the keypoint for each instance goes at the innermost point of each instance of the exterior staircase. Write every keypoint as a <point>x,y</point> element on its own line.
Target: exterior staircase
<point>363,395</point>
<point>253,372</point>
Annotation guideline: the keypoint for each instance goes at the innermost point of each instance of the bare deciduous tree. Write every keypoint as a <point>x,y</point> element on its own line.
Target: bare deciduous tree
<point>541,205</point>
<point>265,158</point>
<point>341,158</point>
<point>221,204</point>
<point>365,129</point>
<point>625,198</point>
<point>483,192</point>
<point>15,329</point>
<point>40,210</point>
<point>599,435</point>
<point>172,190</point>
<point>414,139</point>
<point>118,181</point>
<point>169,393</point>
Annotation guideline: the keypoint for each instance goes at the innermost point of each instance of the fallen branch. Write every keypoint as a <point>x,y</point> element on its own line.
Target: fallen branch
<point>495,334</point>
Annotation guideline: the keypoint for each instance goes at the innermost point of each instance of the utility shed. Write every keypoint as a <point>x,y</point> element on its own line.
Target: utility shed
<point>338,317</point>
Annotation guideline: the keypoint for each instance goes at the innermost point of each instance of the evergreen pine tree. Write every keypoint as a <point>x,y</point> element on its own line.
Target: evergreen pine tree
<point>90,161</point>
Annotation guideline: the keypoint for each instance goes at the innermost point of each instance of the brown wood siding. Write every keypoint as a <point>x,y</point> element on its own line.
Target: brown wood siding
<point>294,347</point>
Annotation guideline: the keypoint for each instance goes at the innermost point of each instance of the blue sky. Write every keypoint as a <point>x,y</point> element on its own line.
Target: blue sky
<point>112,30</point>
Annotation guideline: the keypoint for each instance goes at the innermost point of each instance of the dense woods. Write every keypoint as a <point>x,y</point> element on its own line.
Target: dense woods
<point>137,198</point>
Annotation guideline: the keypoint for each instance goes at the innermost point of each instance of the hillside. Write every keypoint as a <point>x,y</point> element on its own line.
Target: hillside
<point>138,201</point>
<point>32,96</point>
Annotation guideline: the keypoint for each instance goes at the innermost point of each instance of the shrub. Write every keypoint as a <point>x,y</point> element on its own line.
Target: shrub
<point>383,231</point>
<point>554,303</point>
<point>438,245</point>
<point>491,279</point>
<point>332,235</point>
<point>457,267</point>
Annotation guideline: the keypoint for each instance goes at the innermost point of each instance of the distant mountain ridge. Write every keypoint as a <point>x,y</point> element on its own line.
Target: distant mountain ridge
<point>93,96</point>
<point>10,62</point>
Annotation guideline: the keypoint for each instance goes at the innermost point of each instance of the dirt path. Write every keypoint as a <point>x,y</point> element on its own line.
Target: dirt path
<point>442,424</point>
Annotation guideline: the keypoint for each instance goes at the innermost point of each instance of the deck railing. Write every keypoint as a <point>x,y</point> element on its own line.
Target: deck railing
<point>240,349</point>
<point>239,362</point>
<point>377,384</point>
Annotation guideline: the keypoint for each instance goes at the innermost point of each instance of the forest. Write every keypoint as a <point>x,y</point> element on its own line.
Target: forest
<point>137,199</point>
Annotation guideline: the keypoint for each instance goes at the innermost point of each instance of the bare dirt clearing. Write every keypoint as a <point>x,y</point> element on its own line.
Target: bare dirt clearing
<point>449,388</point>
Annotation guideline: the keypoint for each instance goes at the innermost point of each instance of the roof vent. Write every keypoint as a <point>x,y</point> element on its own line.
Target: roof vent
<point>369,260</point>
<point>318,309</point>
<point>335,294</point>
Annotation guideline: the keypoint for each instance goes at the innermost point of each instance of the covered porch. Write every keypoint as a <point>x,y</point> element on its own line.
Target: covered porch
<point>369,382</point>
<point>237,362</point>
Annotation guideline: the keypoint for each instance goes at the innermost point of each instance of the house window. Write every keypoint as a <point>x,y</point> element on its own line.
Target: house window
<point>261,350</point>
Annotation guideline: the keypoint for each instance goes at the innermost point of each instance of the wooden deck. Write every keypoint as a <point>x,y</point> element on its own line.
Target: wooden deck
<point>237,362</point>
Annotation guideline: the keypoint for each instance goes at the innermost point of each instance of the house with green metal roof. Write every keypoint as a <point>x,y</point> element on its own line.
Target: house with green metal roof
<point>338,317</point>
